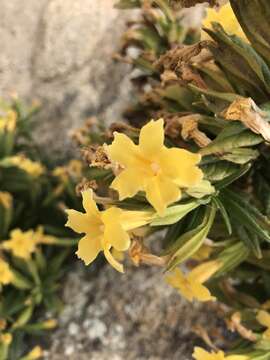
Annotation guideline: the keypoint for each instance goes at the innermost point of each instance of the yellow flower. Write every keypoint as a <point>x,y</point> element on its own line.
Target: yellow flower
<point>8,122</point>
<point>263,318</point>
<point>152,167</point>
<point>191,285</point>
<point>21,244</point>
<point>225,16</point>
<point>201,354</point>
<point>6,338</point>
<point>5,199</point>
<point>103,229</point>
<point>33,168</point>
<point>5,273</point>
<point>35,353</point>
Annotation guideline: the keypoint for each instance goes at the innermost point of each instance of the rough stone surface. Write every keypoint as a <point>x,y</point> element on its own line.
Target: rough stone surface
<point>60,53</point>
<point>135,316</point>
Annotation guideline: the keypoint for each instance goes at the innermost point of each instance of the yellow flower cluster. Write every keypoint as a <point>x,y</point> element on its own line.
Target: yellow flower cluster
<point>226,17</point>
<point>8,122</point>
<point>201,354</point>
<point>151,167</point>
<point>33,168</point>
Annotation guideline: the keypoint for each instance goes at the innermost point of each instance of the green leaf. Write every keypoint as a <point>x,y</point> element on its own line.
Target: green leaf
<point>246,214</point>
<point>237,174</point>
<point>231,257</point>
<point>224,214</point>
<point>175,213</point>
<point>189,243</point>
<point>234,136</point>
<point>250,240</point>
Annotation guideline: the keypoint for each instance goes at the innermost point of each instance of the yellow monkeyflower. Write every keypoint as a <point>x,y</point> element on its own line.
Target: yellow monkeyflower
<point>191,285</point>
<point>103,229</point>
<point>226,17</point>
<point>263,318</point>
<point>21,244</point>
<point>152,167</point>
<point>33,168</point>
<point>6,274</point>
<point>5,199</point>
<point>201,354</point>
<point>8,122</point>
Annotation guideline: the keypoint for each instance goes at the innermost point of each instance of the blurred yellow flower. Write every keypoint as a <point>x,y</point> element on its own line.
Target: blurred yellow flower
<point>203,253</point>
<point>201,354</point>
<point>263,318</point>
<point>5,199</point>
<point>152,167</point>
<point>8,122</point>
<point>225,16</point>
<point>191,285</point>
<point>21,244</point>
<point>33,168</point>
<point>41,238</point>
<point>103,229</point>
<point>5,273</point>
<point>6,338</point>
<point>72,169</point>
<point>35,353</point>
<point>50,324</point>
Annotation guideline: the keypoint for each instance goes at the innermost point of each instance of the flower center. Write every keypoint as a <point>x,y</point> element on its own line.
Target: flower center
<point>155,167</point>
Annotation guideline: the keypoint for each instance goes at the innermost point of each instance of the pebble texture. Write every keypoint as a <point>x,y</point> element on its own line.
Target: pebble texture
<point>135,316</point>
<point>60,53</point>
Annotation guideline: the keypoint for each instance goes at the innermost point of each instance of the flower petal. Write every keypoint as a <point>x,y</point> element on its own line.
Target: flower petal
<point>112,261</point>
<point>77,221</point>
<point>128,183</point>
<point>180,165</point>
<point>200,292</point>
<point>122,150</point>
<point>201,354</point>
<point>89,248</point>
<point>152,137</point>
<point>175,278</point>
<point>89,204</point>
<point>114,234</point>
<point>160,192</point>
<point>204,271</point>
